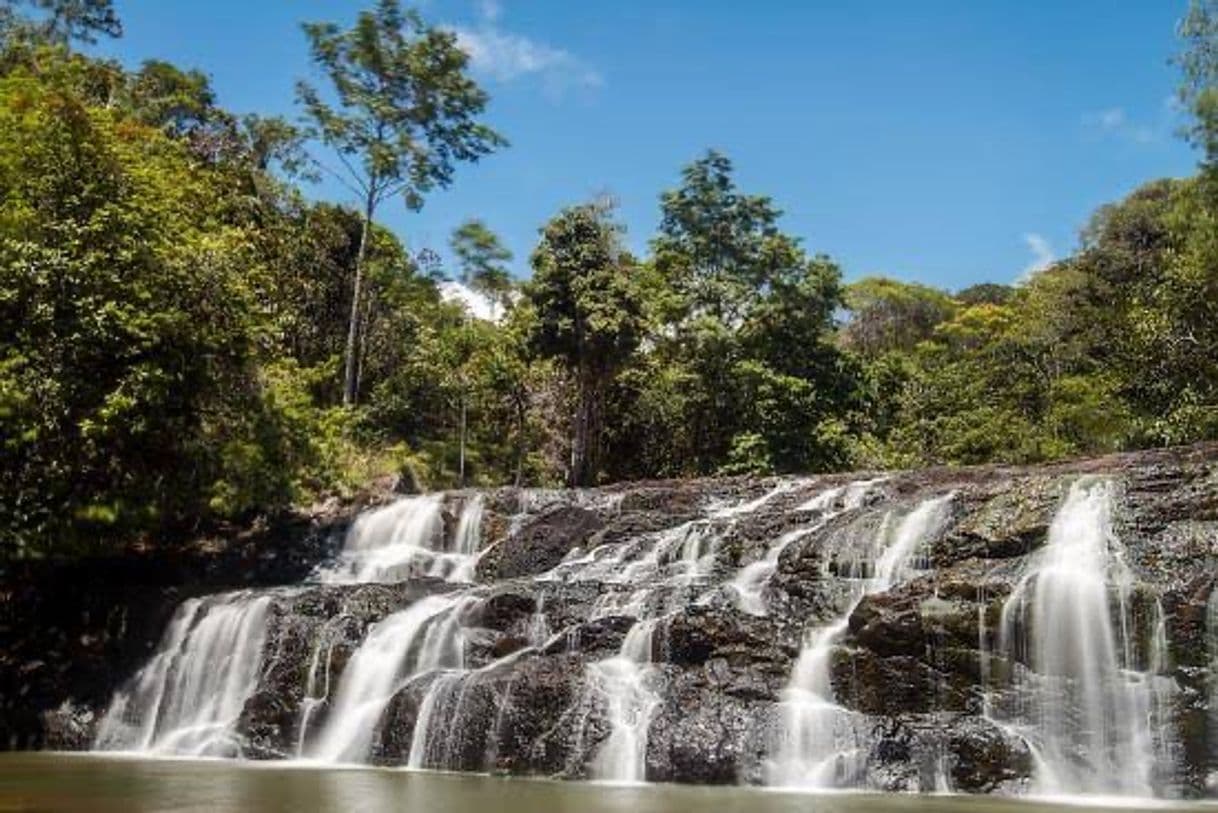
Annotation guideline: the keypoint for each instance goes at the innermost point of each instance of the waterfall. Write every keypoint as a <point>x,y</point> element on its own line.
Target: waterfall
<point>658,567</point>
<point>424,637</point>
<point>663,631</point>
<point>1083,708</point>
<point>750,582</point>
<point>817,745</point>
<point>188,698</point>
<point>468,538</point>
<point>405,540</point>
<point>630,703</point>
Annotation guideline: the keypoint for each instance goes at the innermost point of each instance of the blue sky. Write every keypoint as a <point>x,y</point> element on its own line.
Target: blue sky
<point>943,141</point>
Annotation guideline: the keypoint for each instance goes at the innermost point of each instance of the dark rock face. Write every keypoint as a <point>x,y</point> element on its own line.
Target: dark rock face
<point>540,544</point>
<point>567,579</point>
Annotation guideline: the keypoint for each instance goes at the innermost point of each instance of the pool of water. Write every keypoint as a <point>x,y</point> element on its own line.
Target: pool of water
<point>72,782</point>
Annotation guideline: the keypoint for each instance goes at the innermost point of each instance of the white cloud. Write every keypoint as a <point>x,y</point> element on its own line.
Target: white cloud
<point>1042,254</point>
<point>506,56</point>
<point>1115,122</point>
<point>477,304</point>
<point>1112,118</point>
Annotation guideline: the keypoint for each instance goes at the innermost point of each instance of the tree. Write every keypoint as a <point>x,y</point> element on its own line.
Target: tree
<point>482,259</point>
<point>66,21</point>
<point>887,315</point>
<point>589,316</point>
<point>1198,63</point>
<point>715,243</point>
<point>406,114</point>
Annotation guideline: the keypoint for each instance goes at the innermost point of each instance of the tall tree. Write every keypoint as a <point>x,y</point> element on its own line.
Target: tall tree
<point>482,259</point>
<point>715,243</point>
<point>405,114</point>
<point>589,316</point>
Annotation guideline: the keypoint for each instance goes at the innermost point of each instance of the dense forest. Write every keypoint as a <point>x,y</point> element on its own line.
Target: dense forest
<point>188,337</point>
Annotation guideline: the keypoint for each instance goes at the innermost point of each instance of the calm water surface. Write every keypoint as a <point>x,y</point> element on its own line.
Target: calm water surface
<point>58,782</point>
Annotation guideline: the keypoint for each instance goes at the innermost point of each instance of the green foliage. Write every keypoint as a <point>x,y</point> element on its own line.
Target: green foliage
<point>406,109</point>
<point>482,260</point>
<point>590,316</point>
<point>406,114</point>
<point>890,316</point>
<point>61,21</point>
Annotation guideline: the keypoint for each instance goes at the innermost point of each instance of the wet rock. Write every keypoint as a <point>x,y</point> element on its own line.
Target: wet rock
<point>540,544</point>
<point>907,669</point>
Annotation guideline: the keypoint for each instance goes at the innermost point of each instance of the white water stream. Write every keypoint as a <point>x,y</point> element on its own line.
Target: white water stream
<point>817,745</point>
<point>189,697</point>
<point>1084,707</point>
<point>405,540</point>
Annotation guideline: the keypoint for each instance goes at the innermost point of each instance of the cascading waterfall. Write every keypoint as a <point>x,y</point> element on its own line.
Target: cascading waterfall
<point>1082,706</point>
<point>630,703</point>
<point>406,539</point>
<point>424,637</point>
<point>576,670</point>
<point>663,566</point>
<point>817,745</point>
<point>188,699</point>
<point>749,584</point>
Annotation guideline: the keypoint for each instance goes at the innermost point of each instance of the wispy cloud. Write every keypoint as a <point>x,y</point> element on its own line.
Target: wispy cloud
<point>506,56</point>
<point>1043,255</point>
<point>1116,122</point>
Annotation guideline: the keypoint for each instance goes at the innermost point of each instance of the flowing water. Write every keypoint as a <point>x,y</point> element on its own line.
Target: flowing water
<point>1211,637</point>
<point>749,584</point>
<point>818,747</point>
<point>1076,668</point>
<point>189,697</point>
<point>424,637</point>
<point>1083,705</point>
<point>406,539</point>
<point>88,784</point>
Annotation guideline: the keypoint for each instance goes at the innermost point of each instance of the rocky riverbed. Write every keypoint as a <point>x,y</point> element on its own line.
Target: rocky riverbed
<point>867,630</point>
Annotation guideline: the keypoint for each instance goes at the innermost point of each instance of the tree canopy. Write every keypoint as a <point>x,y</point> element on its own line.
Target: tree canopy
<point>183,331</point>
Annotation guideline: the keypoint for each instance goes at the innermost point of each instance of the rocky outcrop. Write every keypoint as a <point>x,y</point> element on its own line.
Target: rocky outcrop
<point>565,577</point>
<point>541,544</point>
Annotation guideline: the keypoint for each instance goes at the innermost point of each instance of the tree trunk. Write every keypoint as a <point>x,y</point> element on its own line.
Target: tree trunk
<point>586,441</point>
<point>463,423</point>
<point>351,363</point>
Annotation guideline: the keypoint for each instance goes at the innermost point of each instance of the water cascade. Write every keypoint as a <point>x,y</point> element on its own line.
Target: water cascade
<point>818,746</point>
<point>424,637</point>
<point>406,539</point>
<point>1211,635</point>
<point>788,631</point>
<point>630,703</point>
<point>749,584</point>
<point>1081,704</point>
<point>662,570</point>
<point>189,697</point>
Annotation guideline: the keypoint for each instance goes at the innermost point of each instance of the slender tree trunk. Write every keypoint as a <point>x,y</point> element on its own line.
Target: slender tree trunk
<point>351,366</point>
<point>520,421</point>
<point>461,468</point>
